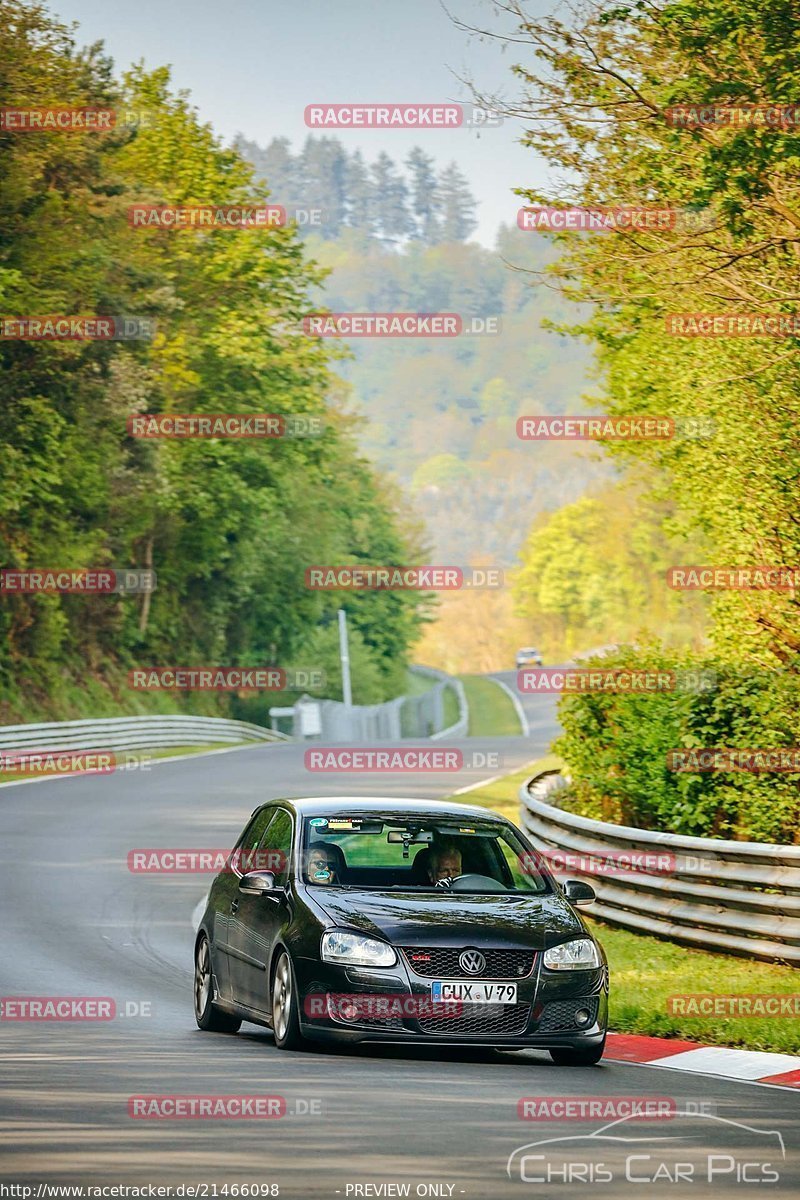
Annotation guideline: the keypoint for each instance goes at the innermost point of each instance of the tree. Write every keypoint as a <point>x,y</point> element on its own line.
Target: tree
<point>425,203</point>
<point>228,526</point>
<point>457,205</point>
<point>393,221</point>
<point>323,181</point>
<point>360,196</point>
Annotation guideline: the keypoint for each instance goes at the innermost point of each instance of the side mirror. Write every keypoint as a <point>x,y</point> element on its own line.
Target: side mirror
<point>257,883</point>
<point>579,893</point>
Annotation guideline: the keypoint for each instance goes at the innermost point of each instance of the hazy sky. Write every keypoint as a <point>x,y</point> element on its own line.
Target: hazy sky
<point>253,65</point>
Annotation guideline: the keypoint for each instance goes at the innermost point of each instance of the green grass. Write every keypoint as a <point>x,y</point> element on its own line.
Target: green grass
<point>502,795</point>
<point>416,685</point>
<point>646,971</point>
<point>491,713</point>
<point>451,713</point>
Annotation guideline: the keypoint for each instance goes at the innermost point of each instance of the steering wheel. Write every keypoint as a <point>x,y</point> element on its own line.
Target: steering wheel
<point>480,883</point>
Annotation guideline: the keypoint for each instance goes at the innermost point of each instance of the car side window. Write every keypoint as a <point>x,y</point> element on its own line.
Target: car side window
<point>275,848</point>
<point>244,856</point>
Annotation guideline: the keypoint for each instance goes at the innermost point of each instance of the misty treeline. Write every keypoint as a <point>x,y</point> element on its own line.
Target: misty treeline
<point>390,202</point>
<point>595,90</point>
<point>228,526</point>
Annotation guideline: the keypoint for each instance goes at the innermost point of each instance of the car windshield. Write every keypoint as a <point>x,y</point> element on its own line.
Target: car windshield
<point>389,853</point>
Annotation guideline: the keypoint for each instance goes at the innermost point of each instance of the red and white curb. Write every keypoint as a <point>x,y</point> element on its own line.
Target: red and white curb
<point>754,1066</point>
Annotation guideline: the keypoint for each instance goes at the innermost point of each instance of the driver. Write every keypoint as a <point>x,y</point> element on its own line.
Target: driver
<point>445,864</point>
<point>320,864</point>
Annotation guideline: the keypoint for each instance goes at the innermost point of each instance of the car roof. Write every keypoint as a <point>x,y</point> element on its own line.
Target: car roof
<point>397,806</point>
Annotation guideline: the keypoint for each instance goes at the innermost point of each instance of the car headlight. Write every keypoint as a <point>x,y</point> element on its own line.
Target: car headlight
<point>578,955</point>
<point>353,949</point>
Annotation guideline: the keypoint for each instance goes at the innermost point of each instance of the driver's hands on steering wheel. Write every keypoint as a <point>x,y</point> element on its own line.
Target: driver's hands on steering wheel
<point>446,882</point>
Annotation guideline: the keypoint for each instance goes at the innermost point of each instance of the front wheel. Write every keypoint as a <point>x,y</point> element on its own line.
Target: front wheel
<point>584,1057</point>
<point>285,1018</point>
<point>208,1017</point>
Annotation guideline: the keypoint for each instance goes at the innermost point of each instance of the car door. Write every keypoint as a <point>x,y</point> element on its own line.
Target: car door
<point>256,920</point>
<point>226,898</point>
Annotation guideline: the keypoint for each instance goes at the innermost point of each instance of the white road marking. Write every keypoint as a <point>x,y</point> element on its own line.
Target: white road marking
<point>729,1062</point>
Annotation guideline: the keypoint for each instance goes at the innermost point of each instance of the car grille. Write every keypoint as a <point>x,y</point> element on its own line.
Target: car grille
<point>509,1019</point>
<point>560,1014</point>
<point>441,962</point>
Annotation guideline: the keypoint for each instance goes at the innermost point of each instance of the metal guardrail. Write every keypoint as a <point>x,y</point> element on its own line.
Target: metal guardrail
<point>420,716</point>
<point>736,897</point>
<point>132,733</point>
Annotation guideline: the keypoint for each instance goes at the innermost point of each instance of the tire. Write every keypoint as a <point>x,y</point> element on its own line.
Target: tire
<point>284,1005</point>
<point>588,1057</point>
<point>209,1018</point>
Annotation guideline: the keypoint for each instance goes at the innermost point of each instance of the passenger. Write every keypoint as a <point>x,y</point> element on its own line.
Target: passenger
<point>320,864</point>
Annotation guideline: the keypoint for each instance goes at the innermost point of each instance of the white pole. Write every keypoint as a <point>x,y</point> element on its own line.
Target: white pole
<point>344,654</point>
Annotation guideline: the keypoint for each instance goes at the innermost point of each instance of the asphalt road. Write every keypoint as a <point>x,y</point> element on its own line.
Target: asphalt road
<point>539,709</point>
<point>77,922</point>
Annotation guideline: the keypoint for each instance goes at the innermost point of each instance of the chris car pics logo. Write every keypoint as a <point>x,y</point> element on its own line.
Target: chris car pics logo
<point>701,1149</point>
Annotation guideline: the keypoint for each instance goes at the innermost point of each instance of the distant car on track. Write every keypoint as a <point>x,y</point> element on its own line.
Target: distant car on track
<point>528,657</point>
<point>401,921</point>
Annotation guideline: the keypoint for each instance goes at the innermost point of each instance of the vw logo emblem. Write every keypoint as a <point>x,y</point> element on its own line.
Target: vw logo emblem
<point>472,961</point>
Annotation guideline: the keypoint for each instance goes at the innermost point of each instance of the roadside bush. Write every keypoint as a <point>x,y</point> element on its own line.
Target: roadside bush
<point>616,746</point>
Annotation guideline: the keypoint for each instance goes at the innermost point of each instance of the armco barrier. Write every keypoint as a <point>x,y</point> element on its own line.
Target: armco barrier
<point>419,716</point>
<point>737,897</point>
<point>132,733</point>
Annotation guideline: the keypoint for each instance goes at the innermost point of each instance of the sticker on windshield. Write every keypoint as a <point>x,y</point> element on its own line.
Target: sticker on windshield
<point>357,824</point>
<point>318,822</point>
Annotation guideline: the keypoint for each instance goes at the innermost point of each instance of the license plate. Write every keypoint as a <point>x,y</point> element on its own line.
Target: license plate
<point>472,992</point>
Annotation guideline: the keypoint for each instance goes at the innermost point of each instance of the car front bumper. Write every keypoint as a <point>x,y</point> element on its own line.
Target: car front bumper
<point>400,1010</point>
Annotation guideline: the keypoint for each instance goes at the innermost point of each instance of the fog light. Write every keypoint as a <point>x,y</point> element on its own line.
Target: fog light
<point>583,1017</point>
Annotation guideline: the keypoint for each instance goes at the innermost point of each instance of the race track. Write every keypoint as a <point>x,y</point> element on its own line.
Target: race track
<point>77,922</point>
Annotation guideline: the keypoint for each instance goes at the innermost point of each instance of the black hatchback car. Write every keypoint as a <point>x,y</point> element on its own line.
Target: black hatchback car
<point>369,920</point>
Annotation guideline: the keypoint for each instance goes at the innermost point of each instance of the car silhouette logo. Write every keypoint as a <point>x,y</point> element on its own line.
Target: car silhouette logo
<point>472,961</point>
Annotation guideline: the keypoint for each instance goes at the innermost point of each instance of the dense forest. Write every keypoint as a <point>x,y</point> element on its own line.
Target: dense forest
<point>382,202</point>
<point>441,413</point>
<point>597,95</point>
<point>227,525</point>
